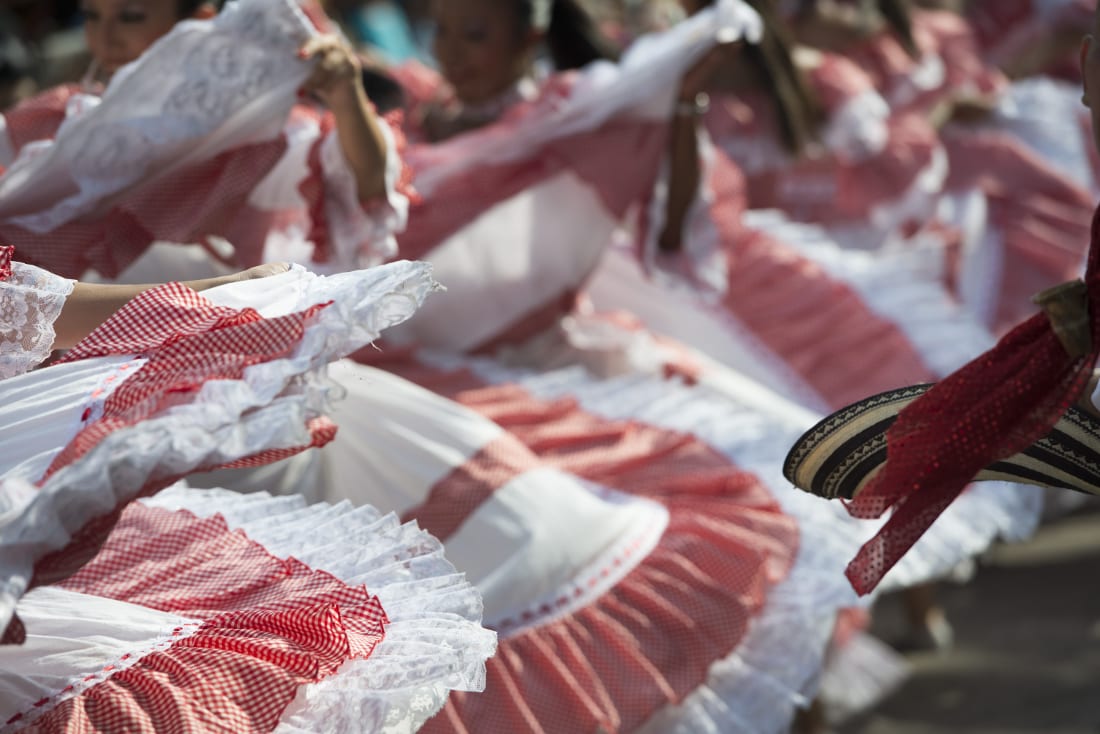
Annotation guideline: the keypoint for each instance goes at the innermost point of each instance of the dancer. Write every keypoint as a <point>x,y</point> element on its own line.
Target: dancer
<point>172,383</point>
<point>209,120</point>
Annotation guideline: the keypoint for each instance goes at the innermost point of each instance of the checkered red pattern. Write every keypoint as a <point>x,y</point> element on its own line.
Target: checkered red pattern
<point>270,626</point>
<point>188,341</point>
<point>187,205</point>
<point>653,637</point>
<point>6,253</point>
<point>39,117</point>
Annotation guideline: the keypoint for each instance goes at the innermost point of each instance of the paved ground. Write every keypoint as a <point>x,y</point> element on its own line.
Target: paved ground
<point>1027,653</point>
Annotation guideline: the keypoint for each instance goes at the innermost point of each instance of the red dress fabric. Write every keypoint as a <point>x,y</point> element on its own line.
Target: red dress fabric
<point>188,342</point>
<point>267,626</point>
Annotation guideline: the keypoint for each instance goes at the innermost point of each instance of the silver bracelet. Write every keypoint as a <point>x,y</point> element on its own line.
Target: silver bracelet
<point>696,108</point>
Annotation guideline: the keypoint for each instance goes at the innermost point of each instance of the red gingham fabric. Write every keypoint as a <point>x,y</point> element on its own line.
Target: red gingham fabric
<point>39,117</point>
<point>188,341</point>
<point>269,626</point>
<point>653,637</point>
<point>6,253</point>
<point>994,407</point>
<point>184,206</point>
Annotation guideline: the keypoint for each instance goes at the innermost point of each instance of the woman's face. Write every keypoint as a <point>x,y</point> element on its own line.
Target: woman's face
<point>119,31</point>
<point>480,47</point>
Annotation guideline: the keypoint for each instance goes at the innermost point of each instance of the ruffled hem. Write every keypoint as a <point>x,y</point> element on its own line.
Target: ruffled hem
<point>652,637</point>
<point>766,674</point>
<point>267,642</point>
<point>434,641</point>
<point>274,407</point>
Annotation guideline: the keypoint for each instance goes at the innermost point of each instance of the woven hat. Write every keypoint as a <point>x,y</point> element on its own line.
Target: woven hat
<point>841,454</point>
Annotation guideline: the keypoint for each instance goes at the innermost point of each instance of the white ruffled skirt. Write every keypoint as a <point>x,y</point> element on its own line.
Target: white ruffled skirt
<point>213,610</point>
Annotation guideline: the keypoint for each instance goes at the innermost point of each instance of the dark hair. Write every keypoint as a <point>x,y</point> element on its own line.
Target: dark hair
<point>383,90</point>
<point>573,38</point>
<point>898,14</point>
<point>797,108</point>
<point>187,8</point>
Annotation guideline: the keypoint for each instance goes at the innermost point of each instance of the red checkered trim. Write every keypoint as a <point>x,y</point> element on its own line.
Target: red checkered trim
<point>271,625</point>
<point>189,341</point>
<point>6,253</point>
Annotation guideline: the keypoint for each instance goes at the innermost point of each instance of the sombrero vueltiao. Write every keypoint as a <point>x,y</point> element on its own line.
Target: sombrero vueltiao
<point>841,454</point>
<point>1009,414</point>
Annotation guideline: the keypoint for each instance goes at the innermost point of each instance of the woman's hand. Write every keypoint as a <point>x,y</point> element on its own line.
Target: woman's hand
<point>262,271</point>
<point>337,78</point>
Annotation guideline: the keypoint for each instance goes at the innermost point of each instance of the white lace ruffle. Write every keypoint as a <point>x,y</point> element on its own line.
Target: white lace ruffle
<point>360,236</point>
<point>434,641</point>
<point>30,302</point>
<point>226,420</point>
<point>204,88</point>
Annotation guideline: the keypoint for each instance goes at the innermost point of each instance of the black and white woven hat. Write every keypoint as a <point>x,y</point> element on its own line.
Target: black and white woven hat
<point>842,453</point>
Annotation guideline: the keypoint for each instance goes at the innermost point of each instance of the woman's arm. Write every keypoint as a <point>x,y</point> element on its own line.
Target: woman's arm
<point>683,148</point>
<point>90,304</point>
<point>337,80</point>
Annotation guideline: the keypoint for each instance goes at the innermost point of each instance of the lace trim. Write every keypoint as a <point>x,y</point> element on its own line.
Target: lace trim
<point>607,570</point>
<point>30,302</point>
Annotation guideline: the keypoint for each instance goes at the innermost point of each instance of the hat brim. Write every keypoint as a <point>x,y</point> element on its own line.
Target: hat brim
<point>842,453</point>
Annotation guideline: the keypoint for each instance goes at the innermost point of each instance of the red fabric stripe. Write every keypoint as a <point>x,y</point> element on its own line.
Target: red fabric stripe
<point>455,497</point>
<point>816,324</point>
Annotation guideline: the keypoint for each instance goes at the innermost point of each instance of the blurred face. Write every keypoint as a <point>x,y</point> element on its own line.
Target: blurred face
<point>119,31</point>
<point>1090,66</point>
<point>480,47</point>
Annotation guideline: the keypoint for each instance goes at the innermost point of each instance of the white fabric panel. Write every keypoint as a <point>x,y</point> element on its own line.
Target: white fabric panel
<point>513,549</point>
<point>74,635</point>
<point>396,440</point>
<point>516,257</point>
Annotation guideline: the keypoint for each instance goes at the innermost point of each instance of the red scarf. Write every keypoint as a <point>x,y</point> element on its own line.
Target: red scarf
<point>991,409</point>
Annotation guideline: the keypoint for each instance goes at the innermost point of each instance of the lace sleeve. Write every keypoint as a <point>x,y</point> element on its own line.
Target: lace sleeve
<point>30,302</point>
<point>362,233</point>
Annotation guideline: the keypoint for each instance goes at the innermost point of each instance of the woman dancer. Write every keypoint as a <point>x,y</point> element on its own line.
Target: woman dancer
<point>928,62</point>
<point>208,121</point>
